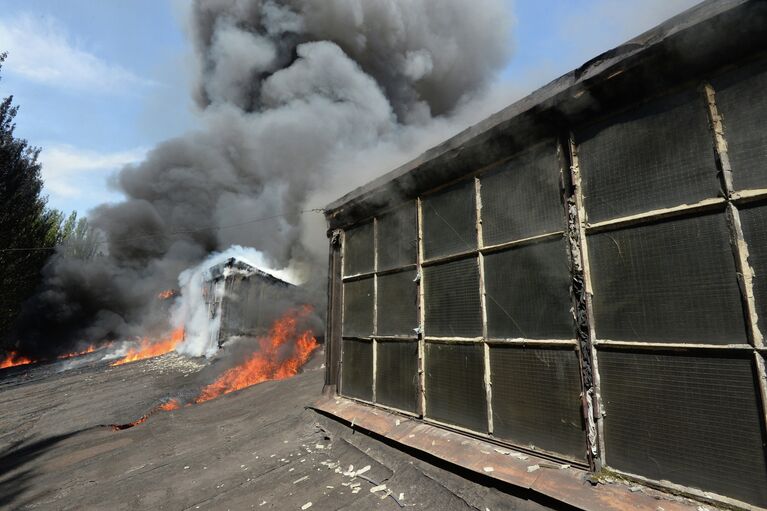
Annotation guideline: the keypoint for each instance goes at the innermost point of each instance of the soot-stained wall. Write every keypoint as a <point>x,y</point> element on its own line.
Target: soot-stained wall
<point>596,294</point>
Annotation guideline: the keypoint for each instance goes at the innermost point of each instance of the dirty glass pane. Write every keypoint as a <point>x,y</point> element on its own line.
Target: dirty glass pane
<point>689,419</point>
<point>655,156</point>
<point>397,374</point>
<point>357,369</point>
<point>397,238</point>
<point>528,292</point>
<point>398,304</point>
<point>673,281</point>
<point>754,222</point>
<point>741,100</point>
<point>522,197</point>
<point>358,250</point>
<point>358,308</point>
<point>451,299</point>
<point>536,399</point>
<point>455,389</point>
<point>449,220</point>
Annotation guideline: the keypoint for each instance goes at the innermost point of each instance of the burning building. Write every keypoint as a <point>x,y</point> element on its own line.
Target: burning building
<point>578,277</point>
<point>240,299</point>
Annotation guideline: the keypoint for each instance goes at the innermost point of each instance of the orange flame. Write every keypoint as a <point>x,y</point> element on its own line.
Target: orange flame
<point>149,349</point>
<point>269,363</point>
<point>13,359</point>
<point>90,349</point>
<point>173,404</point>
<point>168,293</point>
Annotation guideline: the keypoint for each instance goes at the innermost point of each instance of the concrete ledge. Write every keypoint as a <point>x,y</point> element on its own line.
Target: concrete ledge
<point>566,485</point>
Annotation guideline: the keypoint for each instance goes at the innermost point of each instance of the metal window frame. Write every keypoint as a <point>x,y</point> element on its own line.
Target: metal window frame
<point>587,342</point>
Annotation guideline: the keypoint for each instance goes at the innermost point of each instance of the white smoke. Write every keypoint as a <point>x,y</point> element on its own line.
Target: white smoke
<point>193,312</point>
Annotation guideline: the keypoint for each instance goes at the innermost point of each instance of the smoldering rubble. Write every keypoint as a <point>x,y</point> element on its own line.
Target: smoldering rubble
<point>296,99</point>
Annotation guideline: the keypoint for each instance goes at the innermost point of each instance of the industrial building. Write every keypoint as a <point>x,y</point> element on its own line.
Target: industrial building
<point>582,277</point>
<point>241,299</point>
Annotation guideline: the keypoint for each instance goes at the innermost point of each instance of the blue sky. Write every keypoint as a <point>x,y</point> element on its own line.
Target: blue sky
<point>100,82</point>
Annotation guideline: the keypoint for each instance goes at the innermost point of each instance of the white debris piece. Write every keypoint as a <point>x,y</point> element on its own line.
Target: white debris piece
<point>502,451</point>
<point>488,469</point>
<point>380,487</point>
<point>565,466</point>
<point>401,496</point>
<point>362,470</point>
<point>306,506</point>
<point>533,468</point>
<point>319,446</point>
<point>186,467</point>
<point>301,479</point>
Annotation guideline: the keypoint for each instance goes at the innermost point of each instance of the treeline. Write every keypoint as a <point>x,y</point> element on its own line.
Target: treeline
<point>30,232</point>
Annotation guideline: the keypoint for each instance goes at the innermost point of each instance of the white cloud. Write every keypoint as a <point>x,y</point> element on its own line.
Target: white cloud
<point>77,178</point>
<point>40,50</point>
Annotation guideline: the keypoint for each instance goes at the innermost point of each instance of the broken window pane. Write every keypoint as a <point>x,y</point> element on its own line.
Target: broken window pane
<point>673,281</point>
<point>655,156</point>
<point>528,292</point>
<point>741,100</point>
<point>522,198</point>
<point>451,299</point>
<point>536,399</point>
<point>398,304</point>
<point>358,308</point>
<point>357,369</point>
<point>692,419</point>
<point>397,374</point>
<point>358,250</point>
<point>397,238</point>
<point>449,220</point>
<point>455,388</point>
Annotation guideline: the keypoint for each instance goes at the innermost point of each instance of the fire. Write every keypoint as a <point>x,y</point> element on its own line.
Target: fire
<point>89,349</point>
<point>14,359</point>
<point>149,349</point>
<point>173,404</point>
<point>269,363</point>
<point>168,293</point>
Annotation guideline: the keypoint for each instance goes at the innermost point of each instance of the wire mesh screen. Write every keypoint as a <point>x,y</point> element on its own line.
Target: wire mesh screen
<point>742,102</point>
<point>754,221</point>
<point>673,281</point>
<point>357,370</point>
<point>536,399</point>
<point>397,374</point>
<point>451,299</point>
<point>449,220</point>
<point>690,419</point>
<point>528,292</point>
<point>358,250</point>
<point>398,304</point>
<point>455,389</point>
<point>522,197</point>
<point>397,238</point>
<point>656,156</point>
<point>358,308</point>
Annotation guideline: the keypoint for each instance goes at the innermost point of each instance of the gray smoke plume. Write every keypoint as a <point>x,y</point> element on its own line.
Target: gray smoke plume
<point>290,94</point>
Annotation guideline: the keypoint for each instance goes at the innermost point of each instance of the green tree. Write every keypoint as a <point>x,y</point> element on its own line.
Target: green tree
<point>28,231</point>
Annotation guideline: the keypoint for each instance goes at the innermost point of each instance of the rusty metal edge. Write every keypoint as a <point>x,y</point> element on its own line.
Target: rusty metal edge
<point>568,485</point>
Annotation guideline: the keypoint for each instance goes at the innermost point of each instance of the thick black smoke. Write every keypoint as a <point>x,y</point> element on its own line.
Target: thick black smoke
<point>287,90</point>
